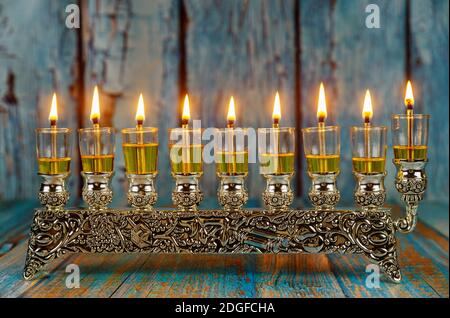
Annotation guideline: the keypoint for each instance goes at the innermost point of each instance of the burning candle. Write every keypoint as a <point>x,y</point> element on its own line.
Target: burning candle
<point>53,118</point>
<point>321,143</point>
<point>52,146</point>
<point>96,143</point>
<point>140,145</point>
<point>368,143</point>
<point>230,148</point>
<point>321,116</point>
<point>410,132</point>
<point>186,155</point>
<point>278,156</point>
<point>409,103</point>
<point>367,114</point>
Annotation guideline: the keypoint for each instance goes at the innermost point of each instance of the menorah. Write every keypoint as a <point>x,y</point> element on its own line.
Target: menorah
<point>368,230</point>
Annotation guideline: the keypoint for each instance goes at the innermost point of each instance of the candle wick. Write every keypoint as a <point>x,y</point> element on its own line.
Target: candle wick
<point>276,123</point>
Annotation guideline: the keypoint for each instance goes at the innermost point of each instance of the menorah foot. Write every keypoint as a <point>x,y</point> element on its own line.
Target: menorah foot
<point>389,265</point>
<point>33,265</point>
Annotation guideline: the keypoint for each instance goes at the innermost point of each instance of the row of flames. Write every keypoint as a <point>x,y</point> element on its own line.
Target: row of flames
<point>367,111</point>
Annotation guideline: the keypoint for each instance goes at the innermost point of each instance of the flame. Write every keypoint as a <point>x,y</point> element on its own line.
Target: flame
<point>140,113</point>
<point>231,116</point>
<point>321,105</point>
<point>367,111</point>
<point>276,114</point>
<point>186,112</point>
<point>95,108</point>
<point>409,97</point>
<point>53,116</point>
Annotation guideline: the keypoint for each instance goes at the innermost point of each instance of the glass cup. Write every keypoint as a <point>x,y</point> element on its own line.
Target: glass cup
<point>410,144</point>
<point>322,152</point>
<point>185,149</point>
<point>231,157</point>
<point>140,149</point>
<point>53,156</point>
<point>276,148</point>
<point>369,165</point>
<point>97,147</point>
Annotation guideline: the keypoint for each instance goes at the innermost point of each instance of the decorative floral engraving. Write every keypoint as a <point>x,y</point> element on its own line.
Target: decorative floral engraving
<point>54,199</point>
<point>278,200</point>
<point>142,200</point>
<point>370,199</point>
<point>187,200</point>
<point>324,198</point>
<point>97,199</point>
<point>232,199</point>
<point>55,233</point>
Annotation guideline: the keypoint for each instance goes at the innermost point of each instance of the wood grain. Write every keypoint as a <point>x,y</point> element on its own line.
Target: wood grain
<point>338,49</point>
<point>132,47</point>
<point>423,258</point>
<point>37,57</point>
<point>245,49</point>
<point>429,70</point>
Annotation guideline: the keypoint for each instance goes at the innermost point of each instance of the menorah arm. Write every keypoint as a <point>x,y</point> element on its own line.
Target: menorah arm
<point>411,183</point>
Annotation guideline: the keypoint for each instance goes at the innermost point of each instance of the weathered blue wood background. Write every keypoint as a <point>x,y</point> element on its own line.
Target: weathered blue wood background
<point>212,49</point>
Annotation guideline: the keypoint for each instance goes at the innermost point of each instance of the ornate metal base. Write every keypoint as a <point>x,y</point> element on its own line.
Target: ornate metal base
<point>56,233</point>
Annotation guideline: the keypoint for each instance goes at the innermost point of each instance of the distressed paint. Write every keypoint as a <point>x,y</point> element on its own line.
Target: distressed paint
<point>245,49</point>
<point>37,54</point>
<point>338,49</point>
<point>132,47</point>
<point>215,49</point>
<point>429,70</point>
<point>423,257</point>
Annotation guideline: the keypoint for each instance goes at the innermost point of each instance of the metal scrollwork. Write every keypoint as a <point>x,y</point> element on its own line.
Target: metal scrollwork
<point>142,200</point>
<point>278,200</point>
<point>187,200</point>
<point>370,199</point>
<point>232,200</point>
<point>324,199</point>
<point>53,200</point>
<point>97,199</point>
<point>56,233</point>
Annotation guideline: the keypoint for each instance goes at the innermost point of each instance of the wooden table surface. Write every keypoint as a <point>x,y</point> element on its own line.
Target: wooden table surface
<point>423,260</point>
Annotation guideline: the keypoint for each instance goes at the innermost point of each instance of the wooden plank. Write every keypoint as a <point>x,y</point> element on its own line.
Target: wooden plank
<point>245,49</point>
<point>133,48</point>
<point>34,64</point>
<point>338,49</point>
<point>429,69</point>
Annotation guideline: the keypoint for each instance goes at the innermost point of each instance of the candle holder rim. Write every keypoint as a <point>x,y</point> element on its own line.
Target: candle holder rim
<point>373,128</point>
<point>101,129</point>
<point>48,130</point>
<point>136,130</point>
<point>418,116</point>
<point>281,129</point>
<point>188,129</point>
<point>325,128</point>
<point>224,129</point>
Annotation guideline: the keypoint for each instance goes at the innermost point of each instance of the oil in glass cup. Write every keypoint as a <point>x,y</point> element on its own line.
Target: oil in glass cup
<point>322,152</point>
<point>97,148</point>
<point>231,157</point>
<point>369,165</point>
<point>140,150</point>
<point>276,149</point>
<point>186,161</point>
<point>53,157</point>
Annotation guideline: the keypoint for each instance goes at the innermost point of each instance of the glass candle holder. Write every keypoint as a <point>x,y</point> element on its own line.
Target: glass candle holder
<point>322,151</point>
<point>231,156</point>
<point>140,150</point>
<point>185,149</point>
<point>53,156</point>
<point>97,147</point>
<point>276,163</point>
<point>369,165</point>
<point>410,144</point>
